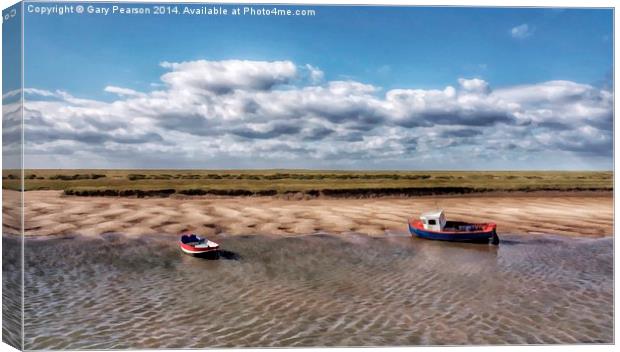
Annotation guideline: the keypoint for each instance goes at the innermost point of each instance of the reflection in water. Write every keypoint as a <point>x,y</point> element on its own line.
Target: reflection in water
<point>316,290</point>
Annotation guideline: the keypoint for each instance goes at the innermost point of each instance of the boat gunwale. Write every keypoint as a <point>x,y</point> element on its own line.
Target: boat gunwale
<point>191,249</point>
<point>488,228</point>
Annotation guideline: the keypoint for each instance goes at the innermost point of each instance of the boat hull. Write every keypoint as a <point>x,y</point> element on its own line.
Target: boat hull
<point>202,253</point>
<point>487,233</point>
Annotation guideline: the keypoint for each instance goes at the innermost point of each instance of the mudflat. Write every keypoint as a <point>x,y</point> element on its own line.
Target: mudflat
<point>314,290</point>
<point>49,213</point>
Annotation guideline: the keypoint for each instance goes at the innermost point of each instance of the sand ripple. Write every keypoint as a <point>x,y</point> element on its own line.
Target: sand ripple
<point>317,290</point>
<point>49,213</point>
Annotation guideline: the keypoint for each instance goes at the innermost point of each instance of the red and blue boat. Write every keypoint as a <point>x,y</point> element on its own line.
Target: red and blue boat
<point>435,226</point>
<point>197,246</point>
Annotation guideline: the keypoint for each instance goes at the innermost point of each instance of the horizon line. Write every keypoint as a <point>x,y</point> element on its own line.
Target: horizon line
<point>312,169</point>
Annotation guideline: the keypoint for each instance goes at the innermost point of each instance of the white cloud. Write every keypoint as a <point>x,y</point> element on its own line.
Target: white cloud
<point>474,85</point>
<point>260,114</point>
<point>522,31</point>
<point>225,76</point>
<point>123,92</point>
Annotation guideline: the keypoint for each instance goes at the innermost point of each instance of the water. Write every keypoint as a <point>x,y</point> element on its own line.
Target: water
<point>317,290</point>
<point>12,292</point>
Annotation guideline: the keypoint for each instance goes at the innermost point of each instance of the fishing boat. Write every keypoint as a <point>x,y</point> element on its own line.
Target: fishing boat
<point>435,226</point>
<point>197,246</point>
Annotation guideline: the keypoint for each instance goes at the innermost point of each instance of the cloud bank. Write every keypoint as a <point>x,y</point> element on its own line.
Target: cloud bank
<point>244,114</point>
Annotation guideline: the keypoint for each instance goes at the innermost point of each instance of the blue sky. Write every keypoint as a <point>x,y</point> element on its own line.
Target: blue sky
<point>387,46</point>
<point>11,55</point>
<point>351,87</point>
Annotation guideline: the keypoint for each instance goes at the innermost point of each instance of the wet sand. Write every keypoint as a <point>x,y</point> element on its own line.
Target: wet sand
<point>316,290</point>
<point>48,213</point>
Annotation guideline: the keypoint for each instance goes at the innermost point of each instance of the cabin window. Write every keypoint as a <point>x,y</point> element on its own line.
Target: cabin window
<point>432,222</point>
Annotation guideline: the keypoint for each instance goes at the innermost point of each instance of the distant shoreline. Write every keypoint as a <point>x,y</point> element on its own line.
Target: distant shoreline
<point>303,183</point>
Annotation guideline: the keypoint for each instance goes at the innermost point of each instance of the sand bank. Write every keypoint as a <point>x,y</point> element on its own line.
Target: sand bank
<point>50,213</point>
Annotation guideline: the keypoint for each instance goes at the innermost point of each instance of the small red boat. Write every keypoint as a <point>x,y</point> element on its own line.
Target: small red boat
<point>197,246</point>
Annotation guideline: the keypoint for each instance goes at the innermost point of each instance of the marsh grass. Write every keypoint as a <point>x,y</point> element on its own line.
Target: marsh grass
<point>312,182</point>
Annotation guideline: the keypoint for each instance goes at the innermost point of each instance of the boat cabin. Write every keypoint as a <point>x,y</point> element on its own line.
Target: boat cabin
<point>192,239</point>
<point>434,221</point>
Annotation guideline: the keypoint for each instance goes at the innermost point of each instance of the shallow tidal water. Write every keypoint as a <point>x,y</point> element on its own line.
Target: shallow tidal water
<point>316,290</point>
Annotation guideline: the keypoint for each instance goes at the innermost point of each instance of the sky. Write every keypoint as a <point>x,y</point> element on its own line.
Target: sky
<point>348,88</point>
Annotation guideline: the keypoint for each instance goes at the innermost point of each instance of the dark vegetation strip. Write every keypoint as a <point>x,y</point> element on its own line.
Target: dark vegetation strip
<point>231,176</point>
<point>279,176</point>
<point>334,193</point>
<point>55,177</point>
